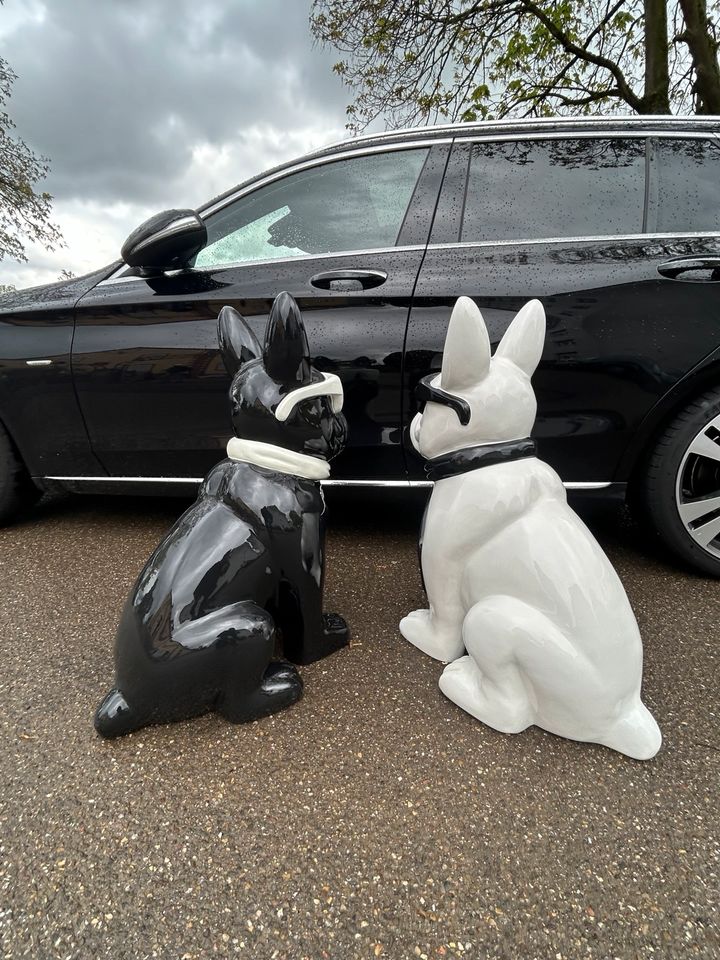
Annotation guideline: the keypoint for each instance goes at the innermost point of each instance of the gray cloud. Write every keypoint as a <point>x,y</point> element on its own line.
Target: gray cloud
<point>118,93</point>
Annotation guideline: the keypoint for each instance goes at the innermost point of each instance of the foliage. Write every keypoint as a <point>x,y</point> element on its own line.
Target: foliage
<point>415,61</point>
<point>24,213</point>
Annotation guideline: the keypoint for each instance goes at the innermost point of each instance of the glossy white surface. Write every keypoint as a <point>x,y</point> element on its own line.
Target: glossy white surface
<point>523,601</point>
<point>279,459</point>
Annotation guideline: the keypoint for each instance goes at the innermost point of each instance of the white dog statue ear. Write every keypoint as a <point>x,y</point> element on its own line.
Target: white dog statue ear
<point>466,357</point>
<point>525,337</point>
<point>515,581</point>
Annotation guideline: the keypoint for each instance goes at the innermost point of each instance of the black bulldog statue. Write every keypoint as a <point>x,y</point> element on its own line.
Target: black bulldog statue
<point>243,567</point>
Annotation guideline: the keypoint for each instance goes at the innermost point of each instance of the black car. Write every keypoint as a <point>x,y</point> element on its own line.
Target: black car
<point>114,382</point>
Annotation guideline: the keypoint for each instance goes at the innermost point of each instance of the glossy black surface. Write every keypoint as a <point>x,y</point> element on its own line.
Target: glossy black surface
<point>242,569</point>
<point>166,241</point>
<point>38,404</point>
<point>137,388</point>
<point>425,391</point>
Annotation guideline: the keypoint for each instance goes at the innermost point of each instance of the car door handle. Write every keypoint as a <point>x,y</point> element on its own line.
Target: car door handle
<point>704,268</point>
<point>348,280</point>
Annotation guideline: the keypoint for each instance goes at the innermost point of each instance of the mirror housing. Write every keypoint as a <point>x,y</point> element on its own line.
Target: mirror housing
<point>167,241</point>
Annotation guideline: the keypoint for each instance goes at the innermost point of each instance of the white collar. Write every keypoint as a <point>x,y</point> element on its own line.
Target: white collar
<point>278,459</point>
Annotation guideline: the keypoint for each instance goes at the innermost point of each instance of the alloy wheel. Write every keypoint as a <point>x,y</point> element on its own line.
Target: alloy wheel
<point>697,488</point>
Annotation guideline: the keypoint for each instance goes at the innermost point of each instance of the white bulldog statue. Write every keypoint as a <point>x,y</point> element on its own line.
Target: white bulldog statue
<point>515,581</point>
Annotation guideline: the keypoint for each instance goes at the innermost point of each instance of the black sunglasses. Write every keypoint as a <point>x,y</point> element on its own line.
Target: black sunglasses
<point>425,392</point>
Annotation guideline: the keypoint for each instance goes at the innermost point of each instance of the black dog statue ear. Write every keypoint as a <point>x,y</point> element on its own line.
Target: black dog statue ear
<point>243,568</point>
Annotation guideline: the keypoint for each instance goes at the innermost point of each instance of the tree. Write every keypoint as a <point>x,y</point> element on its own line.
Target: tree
<point>421,61</point>
<point>24,213</point>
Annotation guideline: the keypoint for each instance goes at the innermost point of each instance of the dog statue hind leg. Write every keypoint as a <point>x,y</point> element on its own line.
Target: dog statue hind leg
<point>531,674</point>
<point>236,644</point>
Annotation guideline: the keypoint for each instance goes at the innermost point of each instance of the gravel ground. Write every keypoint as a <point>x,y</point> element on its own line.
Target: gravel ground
<point>374,818</point>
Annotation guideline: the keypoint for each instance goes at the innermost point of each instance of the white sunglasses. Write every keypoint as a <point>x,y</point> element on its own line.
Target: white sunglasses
<point>329,386</point>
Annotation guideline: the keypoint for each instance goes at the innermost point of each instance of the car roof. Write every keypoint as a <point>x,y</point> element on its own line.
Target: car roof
<point>544,125</point>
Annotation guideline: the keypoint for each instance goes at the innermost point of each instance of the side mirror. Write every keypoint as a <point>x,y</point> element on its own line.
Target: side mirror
<point>167,241</point>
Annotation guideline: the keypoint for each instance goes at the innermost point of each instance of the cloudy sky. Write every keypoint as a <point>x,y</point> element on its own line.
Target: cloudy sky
<point>146,104</point>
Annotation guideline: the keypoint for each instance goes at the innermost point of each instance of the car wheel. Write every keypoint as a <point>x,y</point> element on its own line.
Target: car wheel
<point>682,484</point>
<point>17,491</point>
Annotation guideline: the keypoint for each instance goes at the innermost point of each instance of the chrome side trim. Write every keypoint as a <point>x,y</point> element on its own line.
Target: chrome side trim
<point>215,206</point>
<point>38,363</point>
<point>600,133</point>
<point>711,235</point>
<point>254,263</point>
<point>600,127</point>
<point>433,246</point>
<point>377,483</point>
<point>369,251</point>
<point>602,130</point>
<point>128,479</point>
<point>632,126</point>
<point>587,485</point>
<point>571,485</point>
<point>600,123</point>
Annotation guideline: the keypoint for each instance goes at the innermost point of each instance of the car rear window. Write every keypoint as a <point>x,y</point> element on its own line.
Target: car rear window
<point>688,186</point>
<point>530,189</point>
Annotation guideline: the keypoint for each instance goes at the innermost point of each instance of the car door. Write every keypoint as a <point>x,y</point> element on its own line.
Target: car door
<point>684,211</point>
<point>564,218</point>
<point>344,235</point>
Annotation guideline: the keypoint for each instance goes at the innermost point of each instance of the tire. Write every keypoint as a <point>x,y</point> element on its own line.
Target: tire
<point>17,491</point>
<point>681,495</point>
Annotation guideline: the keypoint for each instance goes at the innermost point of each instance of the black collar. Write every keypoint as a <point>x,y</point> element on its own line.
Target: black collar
<point>484,455</point>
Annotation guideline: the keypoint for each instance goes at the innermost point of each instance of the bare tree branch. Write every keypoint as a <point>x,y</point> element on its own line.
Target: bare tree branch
<point>420,60</point>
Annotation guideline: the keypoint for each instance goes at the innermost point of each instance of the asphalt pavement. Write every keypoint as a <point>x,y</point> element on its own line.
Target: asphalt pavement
<point>373,818</point>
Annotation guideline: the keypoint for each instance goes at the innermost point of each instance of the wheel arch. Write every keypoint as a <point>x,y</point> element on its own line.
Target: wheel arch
<point>705,376</point>
<point>6,423</point>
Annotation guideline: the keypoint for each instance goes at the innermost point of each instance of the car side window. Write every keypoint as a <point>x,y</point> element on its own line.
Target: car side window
<point>354,204</point>
<point>529,189</point>
<point>688,186</point>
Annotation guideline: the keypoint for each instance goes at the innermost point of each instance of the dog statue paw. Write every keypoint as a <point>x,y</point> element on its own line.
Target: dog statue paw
<point>422,629</point>
<point>514,579</point>
<point>245,563</point>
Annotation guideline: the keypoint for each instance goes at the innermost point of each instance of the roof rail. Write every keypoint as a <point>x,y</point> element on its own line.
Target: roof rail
<point>481,125</point>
